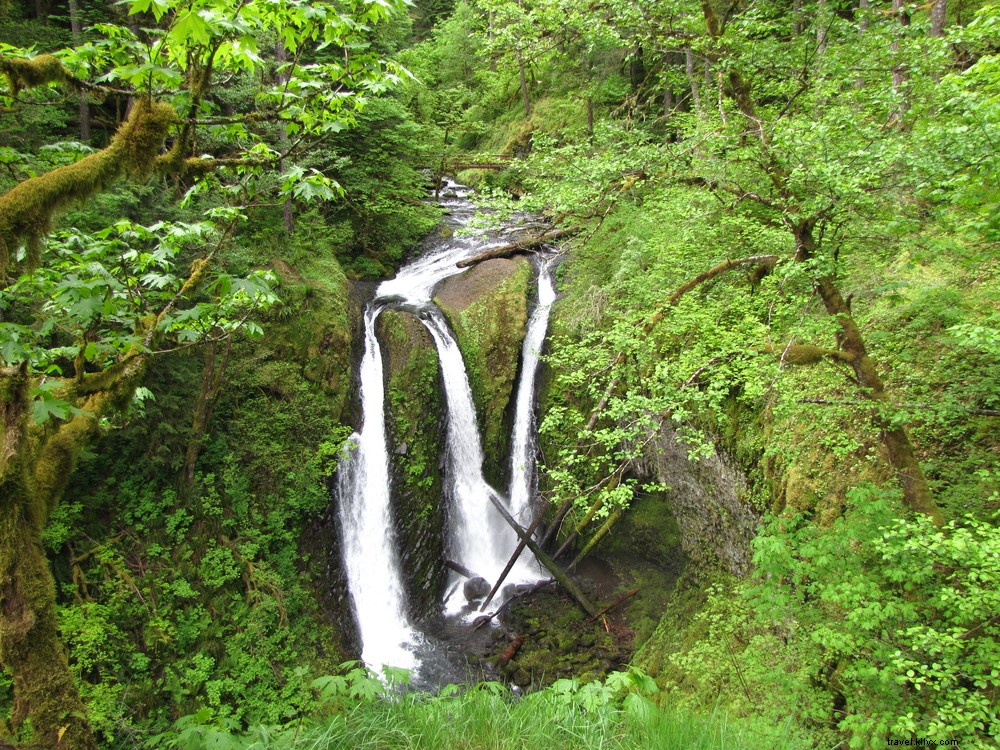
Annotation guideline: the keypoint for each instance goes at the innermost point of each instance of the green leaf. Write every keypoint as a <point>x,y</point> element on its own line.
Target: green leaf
<point>190,26</point>
<point>157,7</point>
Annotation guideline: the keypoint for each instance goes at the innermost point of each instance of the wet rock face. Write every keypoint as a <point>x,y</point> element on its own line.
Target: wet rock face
<point>415,405</point>
<point>487,308</point>
<point>707,497</point>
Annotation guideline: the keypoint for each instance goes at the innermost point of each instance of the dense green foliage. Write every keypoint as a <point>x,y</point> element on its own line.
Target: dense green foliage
<point>788,234</point>
<point>616,713</point>
<point>761,187</point>
<point>876,625</point>
<point>184,579</point>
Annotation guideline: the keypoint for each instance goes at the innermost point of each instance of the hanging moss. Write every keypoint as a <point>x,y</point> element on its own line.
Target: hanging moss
<point>140,138</point>
<point>22,73</point>
<point>26,211</point>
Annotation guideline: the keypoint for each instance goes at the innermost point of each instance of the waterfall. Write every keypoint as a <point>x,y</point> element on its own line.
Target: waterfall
<point>478,537</point>
<point>523,446</point>
<point>370,551</point>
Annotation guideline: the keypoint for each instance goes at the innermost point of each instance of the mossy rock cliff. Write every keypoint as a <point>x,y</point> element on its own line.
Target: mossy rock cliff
<point>415,424</point>
<point>313,327</point>
<point>487,308</point>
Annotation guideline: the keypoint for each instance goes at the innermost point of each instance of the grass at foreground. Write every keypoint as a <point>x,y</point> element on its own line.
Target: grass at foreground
<point>615,715</point>
<point>486,722</point>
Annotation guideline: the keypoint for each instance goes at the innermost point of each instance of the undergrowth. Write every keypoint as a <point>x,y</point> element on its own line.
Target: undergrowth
<point>620,713</point>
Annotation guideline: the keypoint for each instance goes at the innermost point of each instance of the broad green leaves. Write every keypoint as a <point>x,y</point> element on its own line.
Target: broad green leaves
<point>906,610</point>
<point>93,303</point>
<point>193,45</point>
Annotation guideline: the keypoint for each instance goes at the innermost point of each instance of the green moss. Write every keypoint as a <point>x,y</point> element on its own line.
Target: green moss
<point>27,210</point>
<point>23,73</point>
<point>677,630</point>
<point>487,309</point>
<point>314,328</point>
<point>560,642</point>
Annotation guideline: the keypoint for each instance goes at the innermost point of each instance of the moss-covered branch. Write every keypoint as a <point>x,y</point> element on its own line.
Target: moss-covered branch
<point>807,354</point>
<point>27,210</point>
<point>764,263</point>
<point>27,73</point>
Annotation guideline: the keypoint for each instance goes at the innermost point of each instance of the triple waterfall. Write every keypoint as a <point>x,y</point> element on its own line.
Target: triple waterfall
<point>477,537</point>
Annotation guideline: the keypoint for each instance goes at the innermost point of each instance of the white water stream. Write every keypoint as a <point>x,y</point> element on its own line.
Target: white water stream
<point>363,486</point>
<point>523,439</point>
<point>478,537</point>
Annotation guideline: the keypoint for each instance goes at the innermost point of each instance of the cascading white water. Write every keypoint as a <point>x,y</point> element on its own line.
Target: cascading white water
<point>479,538</point>
<point>522,451</point>
<point>370,551</point>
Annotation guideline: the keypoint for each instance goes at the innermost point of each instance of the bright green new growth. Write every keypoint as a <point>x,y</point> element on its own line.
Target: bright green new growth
<point>624,712</point>
<point>681,138</point>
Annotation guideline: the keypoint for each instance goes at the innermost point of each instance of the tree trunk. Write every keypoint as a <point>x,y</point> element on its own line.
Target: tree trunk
<point>899,450</point>
<point>525,99</point>
<point>939,14</point>
<point>900,72</point>
<point>44,689</point>
<point>568,584</point>
<point>916,492</point>
<point>692,79</point>
<point>513,559</point>
<point>637,70</point>
<point>77,30</point>
<point>822,18</point>
<point>863,7</point>
<point>288,210</point>
<point>489,36</point>
<point>211,383</point>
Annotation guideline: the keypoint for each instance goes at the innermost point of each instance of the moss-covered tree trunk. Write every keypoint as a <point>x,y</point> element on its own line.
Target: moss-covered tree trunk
<point>212,375</point>
<point>899,450</point>
<point>35,467</point>
<point>47,704</point>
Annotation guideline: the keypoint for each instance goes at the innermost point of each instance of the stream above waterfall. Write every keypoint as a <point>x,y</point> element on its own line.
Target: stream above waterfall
<point>475,535</point>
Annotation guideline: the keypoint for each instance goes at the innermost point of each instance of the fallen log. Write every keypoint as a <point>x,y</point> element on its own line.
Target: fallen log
<point>513,559</point>
<point>526,245</point>
<point>601,533</point>
<point>620,600</point>
<point>598,504</point>
<point>557,521</point>
<point>511,651</point>
<point>460,569</point>
<point>872,404</point>
<point>568,584</point>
